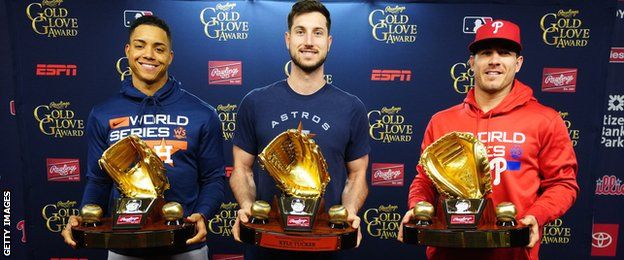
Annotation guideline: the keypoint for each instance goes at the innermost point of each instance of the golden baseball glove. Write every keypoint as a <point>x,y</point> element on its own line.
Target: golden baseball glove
<point>296,164</point>
<point>138,172</point>
<point>458,166</point>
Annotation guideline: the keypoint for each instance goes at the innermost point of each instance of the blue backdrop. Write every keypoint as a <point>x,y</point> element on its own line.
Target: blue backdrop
<point>405,60</point>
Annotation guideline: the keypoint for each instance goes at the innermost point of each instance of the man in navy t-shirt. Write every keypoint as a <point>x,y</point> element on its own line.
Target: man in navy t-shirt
<point>337,118</point>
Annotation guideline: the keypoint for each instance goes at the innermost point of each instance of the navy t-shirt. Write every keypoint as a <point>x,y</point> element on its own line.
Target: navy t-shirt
<point>336,117</point>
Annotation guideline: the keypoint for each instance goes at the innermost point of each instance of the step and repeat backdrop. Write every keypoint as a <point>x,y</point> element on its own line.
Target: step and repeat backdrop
<point>404,60</point>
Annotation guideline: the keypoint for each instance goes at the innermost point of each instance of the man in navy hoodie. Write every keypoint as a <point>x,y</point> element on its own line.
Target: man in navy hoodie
<point>183,130</point>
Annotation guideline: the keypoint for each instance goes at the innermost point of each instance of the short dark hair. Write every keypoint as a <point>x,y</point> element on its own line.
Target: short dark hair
<point>150,20</point>
<point>308,6</point>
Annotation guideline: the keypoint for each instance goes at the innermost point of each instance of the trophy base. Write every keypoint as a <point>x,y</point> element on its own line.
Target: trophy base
<point>151,235</point>
<point>322,238</point>
<point>486,236</point>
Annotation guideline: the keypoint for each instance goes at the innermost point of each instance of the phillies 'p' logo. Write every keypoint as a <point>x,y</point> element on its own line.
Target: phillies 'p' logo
<point>496,25</point>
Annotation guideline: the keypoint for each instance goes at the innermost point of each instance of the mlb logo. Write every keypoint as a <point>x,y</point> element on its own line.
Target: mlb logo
<point>131,15</point>
<point>472,23</point>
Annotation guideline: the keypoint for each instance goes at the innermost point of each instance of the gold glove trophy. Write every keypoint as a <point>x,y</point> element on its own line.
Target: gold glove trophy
<point>141,218</point>
<point>457,165</point>
<point>300,222</point>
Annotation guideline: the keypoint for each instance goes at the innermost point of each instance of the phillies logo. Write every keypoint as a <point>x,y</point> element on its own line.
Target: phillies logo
<point>129,219</point>
<point>609,185</point>
<point>298,221</point>
<point>559,80</point>
<point>604,239</point>
<point>228,171</point>
<point>617,55</point>
<point>387,174</point>
<point>63,170</point>
<point>225,73</point>
<point>497,25</point>
<point>462,219</point>
<point>56,70</point>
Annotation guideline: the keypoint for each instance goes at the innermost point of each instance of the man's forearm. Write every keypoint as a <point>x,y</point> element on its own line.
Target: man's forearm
<point>243,187</point>
<point>354,194</point>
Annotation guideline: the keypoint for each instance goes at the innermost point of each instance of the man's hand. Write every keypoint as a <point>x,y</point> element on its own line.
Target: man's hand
<point>529,220</point>
<point>200,228</point>
<point>243,216</point>
<point>406,219</point>
<point>73,221</point>
<point>354,221</point>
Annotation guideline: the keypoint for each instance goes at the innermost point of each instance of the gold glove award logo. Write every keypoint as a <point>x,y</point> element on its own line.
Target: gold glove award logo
<point>123,68</point>
<point>48,18</point>
<point>56,215</point>
<point>223,23</point>
<point>556,233</point>
<point>392,25</point>
<point>57,120</point>
<point>383,222</point>
<point>221,224</point>
<point>564,29</point>
<point>387,125</point>
<point>227,115</point>
<point>575,134</point>
<point>463,77</point>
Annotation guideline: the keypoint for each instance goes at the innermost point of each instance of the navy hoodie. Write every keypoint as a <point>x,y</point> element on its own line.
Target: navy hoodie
<point>184,131</point>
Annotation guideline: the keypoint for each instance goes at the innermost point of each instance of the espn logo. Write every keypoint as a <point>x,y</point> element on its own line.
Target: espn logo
<point>617,55</point>
<point>56,69</point>
<point>391,75</point>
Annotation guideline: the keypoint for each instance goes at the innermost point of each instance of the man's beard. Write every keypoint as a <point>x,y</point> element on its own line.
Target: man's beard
<point>308,69</point>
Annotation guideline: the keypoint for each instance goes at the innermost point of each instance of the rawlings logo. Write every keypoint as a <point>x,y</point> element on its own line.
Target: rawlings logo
<point>388,174</point>
<point>559,81</point>
<point>63,170</point>
<point>462,219</point>
<point>224,73</point>
<point>297,221</point>
<point>129,219</point>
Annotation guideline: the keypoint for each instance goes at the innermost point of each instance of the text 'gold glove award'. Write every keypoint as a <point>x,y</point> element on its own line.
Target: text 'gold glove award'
<point>141,218</point>
<point>299,222</point>
<point>457,165</point>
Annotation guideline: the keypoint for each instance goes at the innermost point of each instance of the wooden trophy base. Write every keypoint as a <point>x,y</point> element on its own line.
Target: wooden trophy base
<point>486,234</point>
<point>322,238</point>
<point>151,235</point>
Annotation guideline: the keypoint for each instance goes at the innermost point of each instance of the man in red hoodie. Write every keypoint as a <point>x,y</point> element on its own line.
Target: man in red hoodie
<point>531,156</point>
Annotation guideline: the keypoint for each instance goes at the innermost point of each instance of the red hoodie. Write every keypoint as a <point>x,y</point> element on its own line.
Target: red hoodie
<point>531,156</point>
